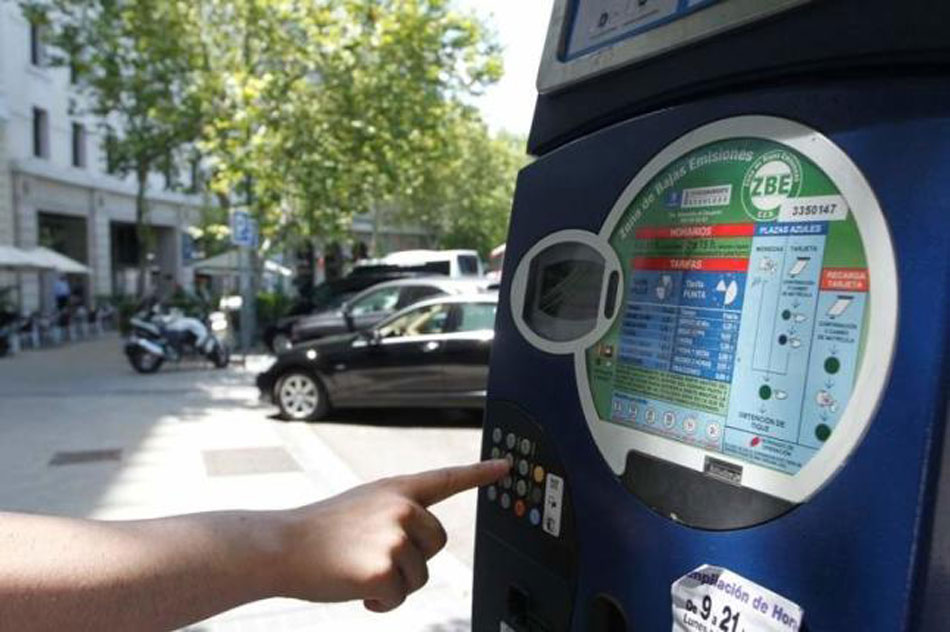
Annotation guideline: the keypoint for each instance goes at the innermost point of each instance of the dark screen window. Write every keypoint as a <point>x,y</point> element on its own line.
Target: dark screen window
<point>570,289</point>
<point>563,294</point>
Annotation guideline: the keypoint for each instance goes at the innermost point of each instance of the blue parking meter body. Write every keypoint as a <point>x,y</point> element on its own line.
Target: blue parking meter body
<point>723,327</point>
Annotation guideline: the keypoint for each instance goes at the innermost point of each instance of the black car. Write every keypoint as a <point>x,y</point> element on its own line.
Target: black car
<point>376,303</point>
<point>432,354</point>
<point>328,296</point>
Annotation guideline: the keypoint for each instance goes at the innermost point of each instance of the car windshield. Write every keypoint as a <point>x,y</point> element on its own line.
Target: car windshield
<point>382,300</point>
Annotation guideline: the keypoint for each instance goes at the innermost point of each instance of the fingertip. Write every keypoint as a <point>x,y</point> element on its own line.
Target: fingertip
<point>501,466</point>
<point>491,471</point>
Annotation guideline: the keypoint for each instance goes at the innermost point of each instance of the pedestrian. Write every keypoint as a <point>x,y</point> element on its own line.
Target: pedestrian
<point>370,543</point>
<point>62,292</point>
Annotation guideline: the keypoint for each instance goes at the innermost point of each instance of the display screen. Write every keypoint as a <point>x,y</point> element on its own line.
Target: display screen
<point>570,289</point>
<point>598,23</point>
<point>564,288</point>
<point>744,310</point>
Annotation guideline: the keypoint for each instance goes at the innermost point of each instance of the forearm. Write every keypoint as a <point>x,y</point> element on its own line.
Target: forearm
<point>61,573</point>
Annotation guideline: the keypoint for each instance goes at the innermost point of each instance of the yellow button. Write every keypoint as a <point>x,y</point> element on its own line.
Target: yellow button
<point>538,474</point>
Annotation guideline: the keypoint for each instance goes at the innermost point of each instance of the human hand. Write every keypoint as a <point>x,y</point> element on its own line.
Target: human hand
<point>372,542</point>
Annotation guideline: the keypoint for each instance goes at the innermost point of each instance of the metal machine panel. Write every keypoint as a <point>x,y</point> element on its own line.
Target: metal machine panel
<point>853,552</point>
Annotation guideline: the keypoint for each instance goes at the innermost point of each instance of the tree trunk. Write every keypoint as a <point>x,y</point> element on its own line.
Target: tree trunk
<point>142,231</point>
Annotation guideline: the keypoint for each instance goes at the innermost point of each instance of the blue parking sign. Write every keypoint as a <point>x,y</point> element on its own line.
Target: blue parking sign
<point>243,229</point>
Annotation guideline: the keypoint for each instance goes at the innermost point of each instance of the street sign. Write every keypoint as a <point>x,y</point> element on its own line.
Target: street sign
<point>243,229</point>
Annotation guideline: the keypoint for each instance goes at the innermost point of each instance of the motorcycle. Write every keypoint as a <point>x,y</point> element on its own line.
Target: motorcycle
<point>158,337</point>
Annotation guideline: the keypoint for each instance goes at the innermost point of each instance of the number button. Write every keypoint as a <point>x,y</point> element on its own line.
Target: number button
<point>521,487</point>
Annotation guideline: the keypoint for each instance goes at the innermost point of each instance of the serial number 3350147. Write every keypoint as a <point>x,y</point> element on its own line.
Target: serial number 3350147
<point>814,210</point>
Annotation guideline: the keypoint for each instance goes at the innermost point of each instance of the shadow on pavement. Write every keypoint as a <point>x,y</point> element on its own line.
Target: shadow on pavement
<point>404,417</point>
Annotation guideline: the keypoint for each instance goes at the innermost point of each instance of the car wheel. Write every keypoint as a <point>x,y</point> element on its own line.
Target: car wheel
<point>281,343</point>
<point>301,397</point>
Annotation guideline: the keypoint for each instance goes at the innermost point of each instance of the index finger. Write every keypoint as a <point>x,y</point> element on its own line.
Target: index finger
<point>428,488</point>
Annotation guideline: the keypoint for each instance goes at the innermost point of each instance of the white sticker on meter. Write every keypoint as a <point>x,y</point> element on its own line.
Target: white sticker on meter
<point>711,598</point>
<point>553,499</point>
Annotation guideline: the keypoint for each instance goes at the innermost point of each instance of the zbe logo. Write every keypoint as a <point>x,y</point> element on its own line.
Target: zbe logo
<point>774,177</point>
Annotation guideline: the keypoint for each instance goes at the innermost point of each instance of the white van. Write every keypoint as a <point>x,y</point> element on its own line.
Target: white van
<point>452,263</point>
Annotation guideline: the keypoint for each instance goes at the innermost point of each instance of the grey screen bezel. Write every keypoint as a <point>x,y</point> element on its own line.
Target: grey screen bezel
<point>556,72</point>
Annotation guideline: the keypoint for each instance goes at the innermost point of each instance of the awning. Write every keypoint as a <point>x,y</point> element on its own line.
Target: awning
<point>12,258</point>
<point>56,261</point>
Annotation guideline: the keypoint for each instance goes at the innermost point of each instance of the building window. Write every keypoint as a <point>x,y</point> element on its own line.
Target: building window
<point>37,48</point>
<point>79,145</point>
<point>40,133</point>
<point>112,153</point>
<point>169,172</point>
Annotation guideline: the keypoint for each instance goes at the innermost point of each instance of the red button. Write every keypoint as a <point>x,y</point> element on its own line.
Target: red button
<point>519,508</point>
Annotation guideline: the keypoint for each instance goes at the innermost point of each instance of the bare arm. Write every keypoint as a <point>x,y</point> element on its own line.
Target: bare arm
<point>370,543</point>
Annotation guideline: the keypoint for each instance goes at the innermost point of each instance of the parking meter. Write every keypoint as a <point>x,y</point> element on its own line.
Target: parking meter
<point>722,331</point>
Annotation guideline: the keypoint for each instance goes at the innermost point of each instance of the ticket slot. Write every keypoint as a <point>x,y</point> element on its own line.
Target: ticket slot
<point>698,499</point>
<point>606,615</point>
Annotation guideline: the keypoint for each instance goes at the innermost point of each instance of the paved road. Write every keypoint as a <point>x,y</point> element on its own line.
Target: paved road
<point>83,435</point>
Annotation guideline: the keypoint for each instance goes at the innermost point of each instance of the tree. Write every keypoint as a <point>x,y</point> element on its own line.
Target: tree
<point>332,108</point>
<point>135,62</point>
<point>464,199</point>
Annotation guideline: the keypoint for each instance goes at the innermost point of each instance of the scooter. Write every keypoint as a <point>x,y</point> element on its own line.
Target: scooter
<point>158,337</point>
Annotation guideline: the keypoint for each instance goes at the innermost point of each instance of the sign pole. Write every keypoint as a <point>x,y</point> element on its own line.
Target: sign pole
<point>244,236</point>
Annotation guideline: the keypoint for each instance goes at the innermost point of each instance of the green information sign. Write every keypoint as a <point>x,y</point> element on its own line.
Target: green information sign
<point>745,305</point>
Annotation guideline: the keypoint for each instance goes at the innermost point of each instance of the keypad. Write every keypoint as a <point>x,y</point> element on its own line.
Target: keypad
<point>521,494</point>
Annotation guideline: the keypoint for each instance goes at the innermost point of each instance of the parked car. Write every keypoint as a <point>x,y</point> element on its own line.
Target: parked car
<point>432,354</point>
<point>376,303</point>
<point>327,296</point>
<point>453,263</point>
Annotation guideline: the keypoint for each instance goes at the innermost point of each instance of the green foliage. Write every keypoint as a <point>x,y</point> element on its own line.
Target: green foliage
<point>332,108</point>
<point>125,307</point>
<point>270,307</point>
<point>465,198</point>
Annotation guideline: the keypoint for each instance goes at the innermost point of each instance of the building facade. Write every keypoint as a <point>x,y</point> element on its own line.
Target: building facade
<point>56,189</point>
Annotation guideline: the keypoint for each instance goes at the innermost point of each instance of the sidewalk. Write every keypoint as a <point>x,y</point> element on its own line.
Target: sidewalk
<point>82,435</point>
